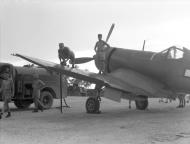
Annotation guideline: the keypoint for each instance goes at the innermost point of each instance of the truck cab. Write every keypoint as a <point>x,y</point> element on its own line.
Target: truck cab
<point>23,79</point>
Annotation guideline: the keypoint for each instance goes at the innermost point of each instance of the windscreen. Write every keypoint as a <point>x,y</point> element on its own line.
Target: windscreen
<point>173,53</point>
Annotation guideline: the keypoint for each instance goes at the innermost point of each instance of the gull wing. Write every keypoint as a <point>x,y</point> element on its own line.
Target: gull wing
<point>139,84</point>
<point>121,80</point>
<point>72,72</point>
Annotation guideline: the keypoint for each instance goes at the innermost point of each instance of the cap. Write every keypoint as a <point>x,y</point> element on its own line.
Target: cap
<point>61,44</point>
<point>99,35</point>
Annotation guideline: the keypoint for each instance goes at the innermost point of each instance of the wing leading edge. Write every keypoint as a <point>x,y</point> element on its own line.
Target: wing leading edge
<point>72,72</point>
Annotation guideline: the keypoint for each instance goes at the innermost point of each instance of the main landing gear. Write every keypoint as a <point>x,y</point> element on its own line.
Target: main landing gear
<point>93,105</point>
<point>93,102</point>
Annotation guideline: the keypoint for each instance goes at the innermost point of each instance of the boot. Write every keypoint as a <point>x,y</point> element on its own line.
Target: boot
<point>8,115</point>
<point>41,108</point>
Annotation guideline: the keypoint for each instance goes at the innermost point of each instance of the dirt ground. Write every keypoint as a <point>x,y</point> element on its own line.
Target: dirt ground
<point>161,123</point>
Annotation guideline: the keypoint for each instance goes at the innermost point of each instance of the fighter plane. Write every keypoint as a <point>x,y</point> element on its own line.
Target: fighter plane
<point>131,74</point>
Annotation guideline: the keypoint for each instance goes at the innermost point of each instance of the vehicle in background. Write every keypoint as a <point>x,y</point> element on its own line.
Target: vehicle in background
<point>23,78</point>
<point>77,87</point>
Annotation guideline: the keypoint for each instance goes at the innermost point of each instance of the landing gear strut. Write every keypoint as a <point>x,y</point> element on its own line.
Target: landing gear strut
<point>93,105</point>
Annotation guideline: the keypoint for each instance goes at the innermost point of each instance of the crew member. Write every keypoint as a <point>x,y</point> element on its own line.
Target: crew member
<point>7,90</point>
<point>66,54</point>
<point>129,103</point>
<point>188,98</point>
<point>60,54</point>
<point>182,102</point>
<point>37,85</point>
<point>99,49</point>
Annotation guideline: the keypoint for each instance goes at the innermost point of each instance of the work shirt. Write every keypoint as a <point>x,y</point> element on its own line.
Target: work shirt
<point>66,54</point>
<point>100,46</point>
<point>37,85</point>
<point>71,56</point>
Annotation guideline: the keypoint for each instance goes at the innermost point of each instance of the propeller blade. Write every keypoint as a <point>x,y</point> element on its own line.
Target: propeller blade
<point>110,31</point>
<point>83,60</point>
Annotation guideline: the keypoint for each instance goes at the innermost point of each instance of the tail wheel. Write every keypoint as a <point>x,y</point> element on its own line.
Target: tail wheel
<point>92,105</point>
<point>142,102</point>
<point>47,99</point>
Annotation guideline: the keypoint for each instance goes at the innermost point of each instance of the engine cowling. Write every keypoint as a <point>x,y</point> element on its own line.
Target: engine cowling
<point>103,58</point>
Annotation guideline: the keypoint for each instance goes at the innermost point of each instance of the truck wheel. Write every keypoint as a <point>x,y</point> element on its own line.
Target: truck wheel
<point>92,105</point>
<point>47,99</point>
<point>142,103</point>
<point>22,104</point>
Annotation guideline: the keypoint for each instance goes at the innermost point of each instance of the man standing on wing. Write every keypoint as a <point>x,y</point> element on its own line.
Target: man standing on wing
<point>99,49</point>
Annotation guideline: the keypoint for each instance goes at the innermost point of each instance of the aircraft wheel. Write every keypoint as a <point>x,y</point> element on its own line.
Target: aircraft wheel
<point>92,105</point>
<point>142,103</point>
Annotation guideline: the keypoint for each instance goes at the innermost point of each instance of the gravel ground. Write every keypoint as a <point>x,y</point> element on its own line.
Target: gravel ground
<point>161,123</point>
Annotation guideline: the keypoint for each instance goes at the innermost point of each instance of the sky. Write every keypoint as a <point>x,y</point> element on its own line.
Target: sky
<point>35,27</point>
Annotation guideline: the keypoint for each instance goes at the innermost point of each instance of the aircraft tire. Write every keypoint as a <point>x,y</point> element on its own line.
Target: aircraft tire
<point>142,104</point>
<point>47,99</point>
<point>92,105</point>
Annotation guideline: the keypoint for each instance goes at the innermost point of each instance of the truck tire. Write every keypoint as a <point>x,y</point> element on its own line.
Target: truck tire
<point>47,99</point>
<point>22,104</point>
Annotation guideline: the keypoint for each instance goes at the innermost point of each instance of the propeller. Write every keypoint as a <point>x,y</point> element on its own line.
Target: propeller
<point>110,31</point>
<point>88,59</point>
<point>83,60</point>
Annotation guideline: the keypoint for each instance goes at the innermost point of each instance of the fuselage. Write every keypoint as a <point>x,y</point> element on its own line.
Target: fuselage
<point>174,73</point>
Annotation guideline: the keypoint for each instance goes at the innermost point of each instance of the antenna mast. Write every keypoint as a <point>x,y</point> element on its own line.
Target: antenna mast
<point>143,45</point>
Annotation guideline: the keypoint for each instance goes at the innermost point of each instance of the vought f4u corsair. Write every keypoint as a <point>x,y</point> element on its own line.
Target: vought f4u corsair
<point>131,74</point>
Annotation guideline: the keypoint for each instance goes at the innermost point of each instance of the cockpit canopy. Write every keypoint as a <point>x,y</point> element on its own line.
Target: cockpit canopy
<point>173,52</point>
